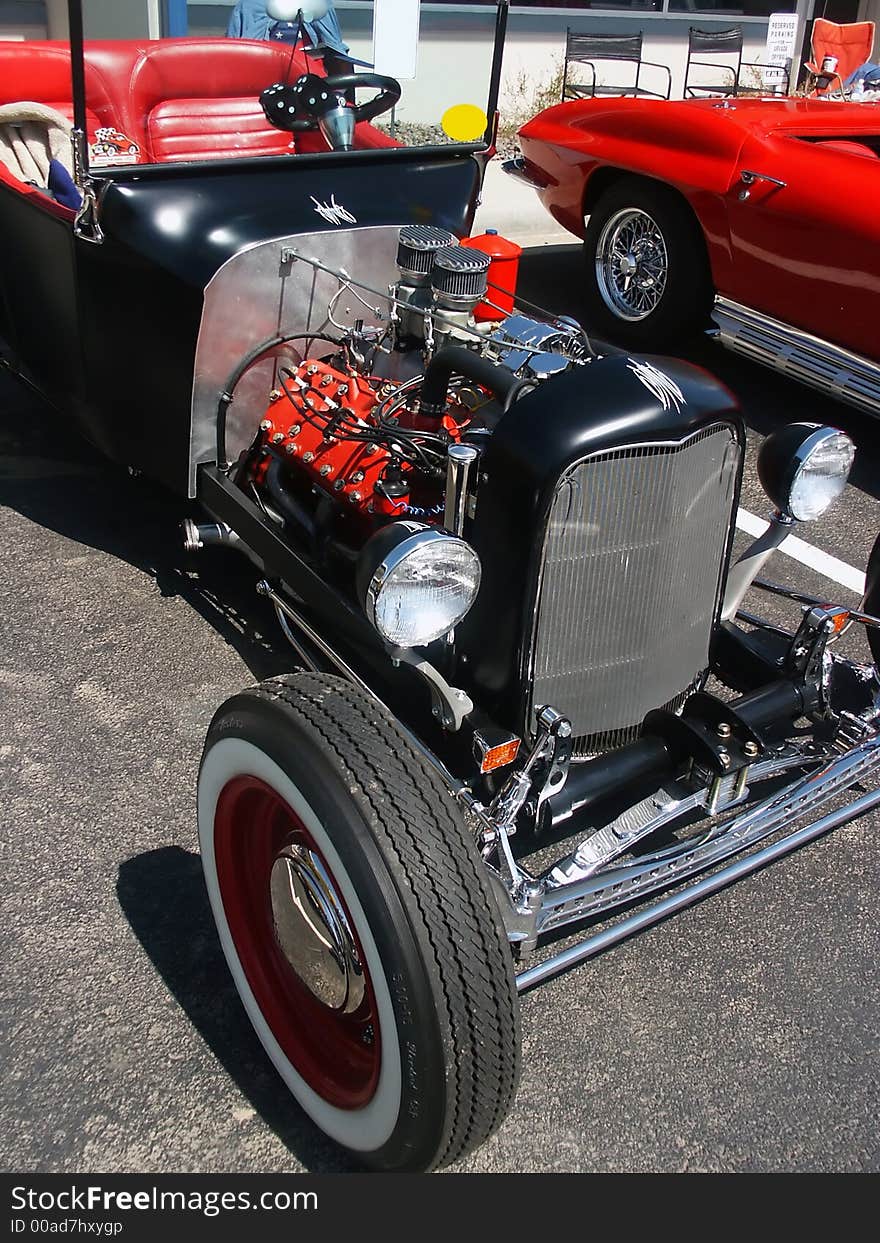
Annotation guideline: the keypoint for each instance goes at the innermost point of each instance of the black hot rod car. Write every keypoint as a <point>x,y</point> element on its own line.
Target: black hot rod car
<point>502,560</point>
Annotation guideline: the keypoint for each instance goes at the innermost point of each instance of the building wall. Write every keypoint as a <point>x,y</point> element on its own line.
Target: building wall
<point>455,46</point>
<point>56,19</point>
<point>869,11</point>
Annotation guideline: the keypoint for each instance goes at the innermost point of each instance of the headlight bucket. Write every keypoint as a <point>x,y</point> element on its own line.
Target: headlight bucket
<point>804,467</point>
<point>415,582</point>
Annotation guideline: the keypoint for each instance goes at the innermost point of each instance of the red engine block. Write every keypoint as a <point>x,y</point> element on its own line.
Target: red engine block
<point>299,429</point>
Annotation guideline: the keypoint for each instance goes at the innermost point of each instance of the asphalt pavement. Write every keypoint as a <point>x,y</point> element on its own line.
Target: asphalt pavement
<point>515,211</point>
<point>741,1035</point>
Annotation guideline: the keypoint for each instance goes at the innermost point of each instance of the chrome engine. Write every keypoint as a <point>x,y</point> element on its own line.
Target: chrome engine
<point>362,419</point>
<point>367,422</point>
<point>443,283</point>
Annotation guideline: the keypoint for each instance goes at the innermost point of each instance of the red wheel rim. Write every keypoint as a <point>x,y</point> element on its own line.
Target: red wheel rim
<point>338,1054</point>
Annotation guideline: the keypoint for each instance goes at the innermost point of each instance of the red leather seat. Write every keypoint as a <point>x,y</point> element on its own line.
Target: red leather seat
<point>173,99</point>
<point>110,64</point>
<point>203,129</point>
<point>41,72</point>
<point>199,99</point>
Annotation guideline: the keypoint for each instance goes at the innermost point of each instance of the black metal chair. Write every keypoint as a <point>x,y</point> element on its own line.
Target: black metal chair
<point>725,46</point>
<point>588,49</point>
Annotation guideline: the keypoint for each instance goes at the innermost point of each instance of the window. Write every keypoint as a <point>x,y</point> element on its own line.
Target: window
<point>732,8</point>
<point>637,6</point>
<point>22,19</point>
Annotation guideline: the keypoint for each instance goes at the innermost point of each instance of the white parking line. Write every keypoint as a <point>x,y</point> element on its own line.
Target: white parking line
<point>831,567</point>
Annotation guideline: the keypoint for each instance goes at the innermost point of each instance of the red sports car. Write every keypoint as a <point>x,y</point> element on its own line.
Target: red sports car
<point>762,214</point>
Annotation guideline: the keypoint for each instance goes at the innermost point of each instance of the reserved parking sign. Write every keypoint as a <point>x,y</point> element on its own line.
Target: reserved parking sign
<point>779,52</point>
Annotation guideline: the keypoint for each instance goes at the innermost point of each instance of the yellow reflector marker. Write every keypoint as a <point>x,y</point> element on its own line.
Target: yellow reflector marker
<point>464,122</point>
<point>491,756</point>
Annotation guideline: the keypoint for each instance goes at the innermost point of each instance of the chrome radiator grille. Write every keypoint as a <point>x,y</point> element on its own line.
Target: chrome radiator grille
<point>629,584</point>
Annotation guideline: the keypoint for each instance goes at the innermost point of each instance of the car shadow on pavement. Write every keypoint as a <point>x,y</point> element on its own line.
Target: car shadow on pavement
<point>162,895</point>
<point>54,478</point>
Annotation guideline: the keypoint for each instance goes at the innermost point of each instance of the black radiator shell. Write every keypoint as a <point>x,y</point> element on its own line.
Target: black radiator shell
<point>598,406</point>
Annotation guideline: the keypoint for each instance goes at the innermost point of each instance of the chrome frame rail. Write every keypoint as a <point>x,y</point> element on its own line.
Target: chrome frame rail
<point>691,894</point>
<point>801,597</point>
<point>615,886</point>
<point>555,905</point>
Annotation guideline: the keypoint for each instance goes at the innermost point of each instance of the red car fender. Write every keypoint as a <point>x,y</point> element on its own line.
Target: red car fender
<point>578,149</point>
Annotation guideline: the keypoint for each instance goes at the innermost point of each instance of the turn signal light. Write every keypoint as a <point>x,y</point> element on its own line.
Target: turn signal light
<point>495,752</point>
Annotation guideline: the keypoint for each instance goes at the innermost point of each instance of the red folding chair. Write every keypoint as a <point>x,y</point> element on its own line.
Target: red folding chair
<point>851,44</point>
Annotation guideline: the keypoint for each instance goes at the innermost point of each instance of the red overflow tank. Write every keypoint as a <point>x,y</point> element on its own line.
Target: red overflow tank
<point>502,273</point>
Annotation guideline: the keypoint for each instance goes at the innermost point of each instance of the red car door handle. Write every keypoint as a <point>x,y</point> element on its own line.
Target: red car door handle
<point>748,178</point>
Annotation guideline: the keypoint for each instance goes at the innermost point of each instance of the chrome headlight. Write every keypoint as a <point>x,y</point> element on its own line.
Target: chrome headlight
<point>804,467</point>
<point>416,583</point>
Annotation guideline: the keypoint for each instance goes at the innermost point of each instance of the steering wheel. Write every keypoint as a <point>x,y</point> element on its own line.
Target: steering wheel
<point>312,102</point>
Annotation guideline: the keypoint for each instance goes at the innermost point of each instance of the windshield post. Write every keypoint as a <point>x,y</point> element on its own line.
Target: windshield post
<point>77,69</point>
<point>495,77</point>
<point>86,225</point>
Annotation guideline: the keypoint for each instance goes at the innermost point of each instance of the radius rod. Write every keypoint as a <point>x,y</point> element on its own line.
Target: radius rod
<point>691,894</point>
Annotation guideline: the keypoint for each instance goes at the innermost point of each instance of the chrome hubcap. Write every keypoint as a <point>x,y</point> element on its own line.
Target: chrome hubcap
<point>312,930</point>
<point>632,265</point>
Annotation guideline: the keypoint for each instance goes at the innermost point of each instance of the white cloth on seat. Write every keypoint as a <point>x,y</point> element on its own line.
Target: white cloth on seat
<point>31,135</point>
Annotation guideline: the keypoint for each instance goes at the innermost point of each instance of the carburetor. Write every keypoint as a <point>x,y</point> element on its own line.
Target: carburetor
<point>441,284</point>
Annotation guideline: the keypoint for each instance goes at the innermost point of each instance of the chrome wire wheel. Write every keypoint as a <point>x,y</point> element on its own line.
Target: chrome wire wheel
<point>632,265</point>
